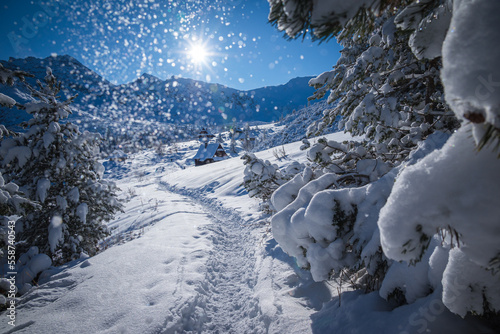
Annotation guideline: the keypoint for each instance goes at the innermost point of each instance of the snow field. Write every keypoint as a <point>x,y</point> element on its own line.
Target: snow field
<point>193,254</point>
<point>179,260</point>
<point>142,286</point>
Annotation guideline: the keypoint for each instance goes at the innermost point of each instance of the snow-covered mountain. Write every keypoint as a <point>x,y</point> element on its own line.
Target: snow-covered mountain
<point>149,100</point>
<point>294,127</point>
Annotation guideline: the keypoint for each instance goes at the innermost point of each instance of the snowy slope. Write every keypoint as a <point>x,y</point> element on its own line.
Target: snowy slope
<point>180,259</point>
<point>294,127</point>
<point>137,287</point>
<point>192,253</point>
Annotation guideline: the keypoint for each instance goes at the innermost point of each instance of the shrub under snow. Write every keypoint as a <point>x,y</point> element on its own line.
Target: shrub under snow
<point>331,227</point>
<point>262,178</point>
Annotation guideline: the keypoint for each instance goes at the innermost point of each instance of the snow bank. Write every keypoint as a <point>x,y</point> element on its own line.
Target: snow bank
<point>162,281</point>
<point>355,312</point>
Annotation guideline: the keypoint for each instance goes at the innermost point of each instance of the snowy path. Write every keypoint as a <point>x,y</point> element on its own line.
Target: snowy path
<point>181,260</point>
<point>250,286</point>
<point>227,295</point>
<point>195,269</point>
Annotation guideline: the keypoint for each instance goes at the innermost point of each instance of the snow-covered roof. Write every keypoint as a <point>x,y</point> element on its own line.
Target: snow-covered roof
<point>207,152</point>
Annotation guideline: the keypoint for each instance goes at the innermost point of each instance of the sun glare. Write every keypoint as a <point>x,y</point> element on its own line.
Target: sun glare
<point>198,53</point>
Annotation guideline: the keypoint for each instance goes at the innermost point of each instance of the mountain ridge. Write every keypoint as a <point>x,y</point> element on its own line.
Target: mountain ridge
<point>71,60</point>
<point>175,100</point>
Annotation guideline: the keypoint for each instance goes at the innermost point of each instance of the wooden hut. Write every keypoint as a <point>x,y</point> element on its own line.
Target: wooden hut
<point>208,153</point>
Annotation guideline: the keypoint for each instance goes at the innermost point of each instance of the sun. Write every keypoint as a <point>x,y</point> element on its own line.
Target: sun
<point>198,53</point>
<point>199,56</point>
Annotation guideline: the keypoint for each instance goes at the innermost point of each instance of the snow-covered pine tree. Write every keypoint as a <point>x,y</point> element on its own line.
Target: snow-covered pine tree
<point>323,20</point>
<point>442,212</point>
<point>55,164</point>
<point>382,91</point>
<point>12,201</point>
<point>263,178</point>
<point>13,205</point>
<point>457,185</point>
<point>232,144</point>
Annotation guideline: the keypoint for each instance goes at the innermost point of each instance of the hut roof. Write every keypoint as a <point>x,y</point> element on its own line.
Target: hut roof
<point>207,152</point>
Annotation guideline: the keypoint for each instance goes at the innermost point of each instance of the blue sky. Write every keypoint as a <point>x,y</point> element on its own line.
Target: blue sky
<point>223,41</point>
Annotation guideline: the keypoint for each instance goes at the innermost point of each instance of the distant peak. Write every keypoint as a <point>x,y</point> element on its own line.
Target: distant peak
<point>148,77</point>
<point>62,58</point>
<point>52,59</point>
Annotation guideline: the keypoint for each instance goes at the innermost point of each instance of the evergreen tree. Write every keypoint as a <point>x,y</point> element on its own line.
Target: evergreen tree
<point>390,85</point>
<point>323,20</point>
<point>247,142</point>
<point>262,178</point>
<point>379,89</point>
<point>9,77</point>
<point>387,81</point>
<point>55,164</point>
<point>234,133</point>
<point>384,92</point>
<point>12,201</point>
